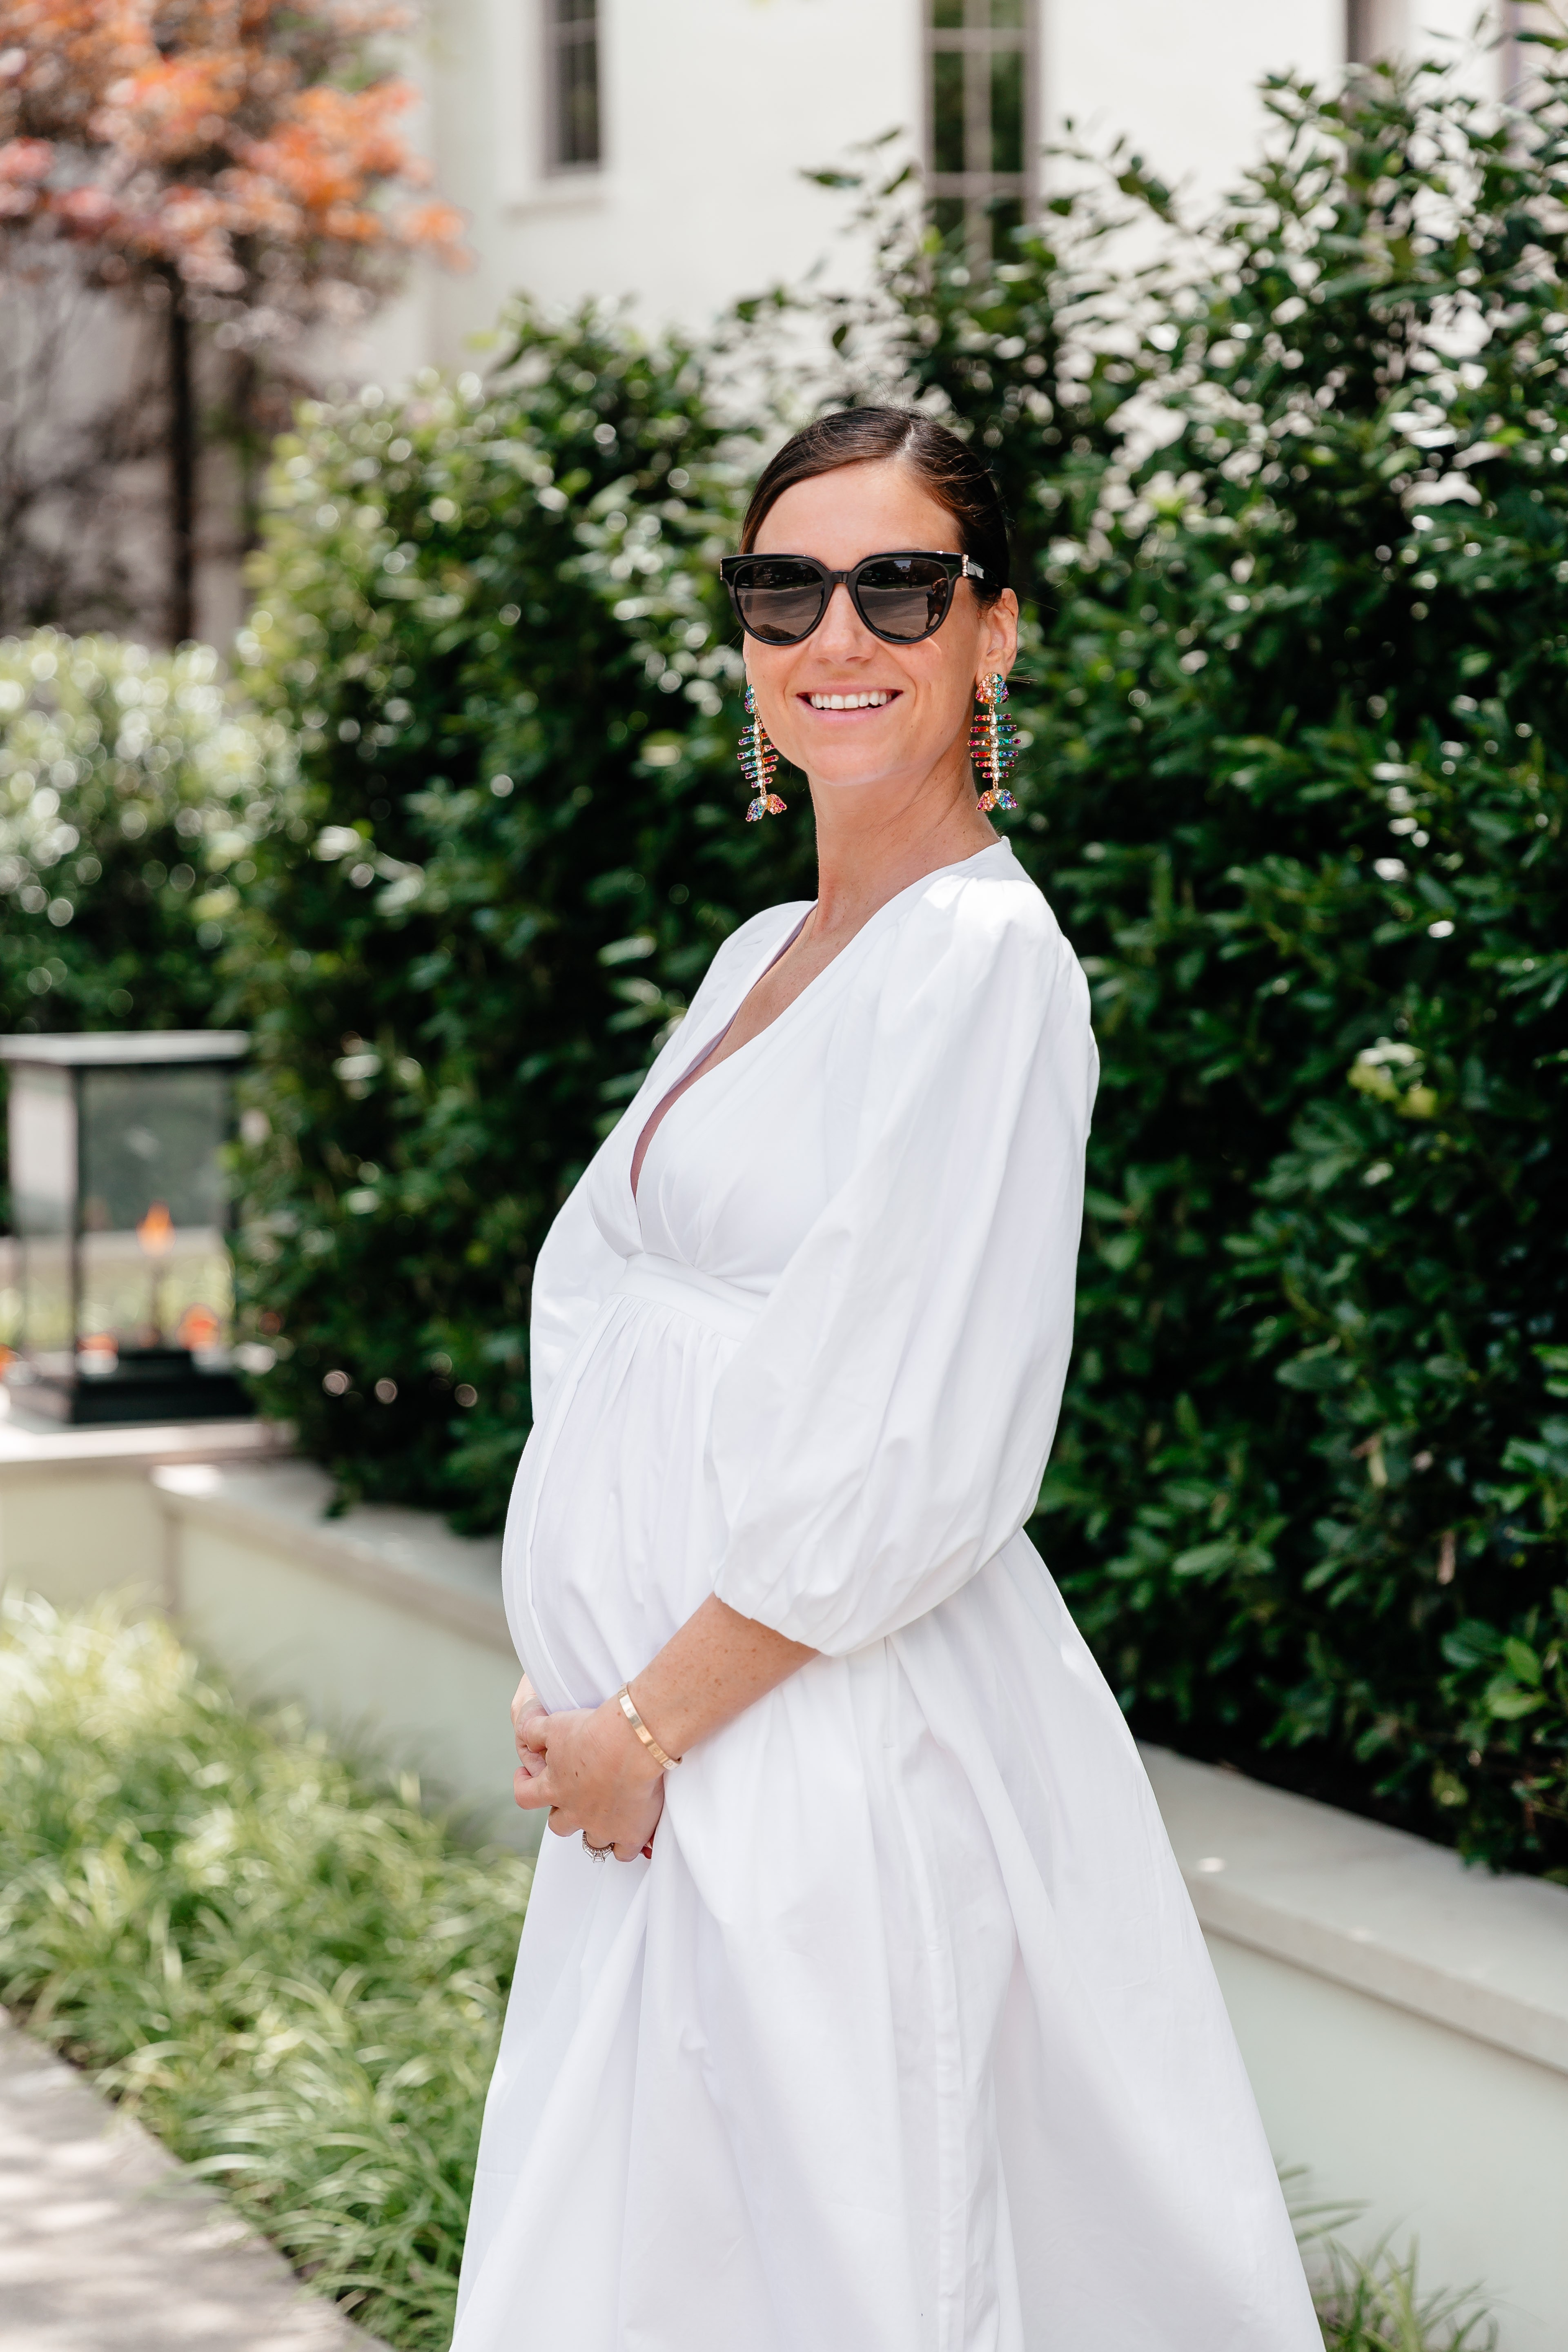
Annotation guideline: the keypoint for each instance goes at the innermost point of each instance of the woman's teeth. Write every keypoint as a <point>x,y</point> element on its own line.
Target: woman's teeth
<point>850,701</point>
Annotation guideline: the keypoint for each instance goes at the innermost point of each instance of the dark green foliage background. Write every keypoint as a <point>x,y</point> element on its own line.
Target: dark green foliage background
<point>1292,530</point>
<point>513,580</point>
<point>133,791</point>
<point>1301,750</point>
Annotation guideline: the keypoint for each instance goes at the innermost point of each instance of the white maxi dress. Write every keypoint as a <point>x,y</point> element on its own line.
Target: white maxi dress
<point>905,2039</point>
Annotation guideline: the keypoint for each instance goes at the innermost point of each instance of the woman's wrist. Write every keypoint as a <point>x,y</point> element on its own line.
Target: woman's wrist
<point>643,1731</point>
<point>634,1760</point>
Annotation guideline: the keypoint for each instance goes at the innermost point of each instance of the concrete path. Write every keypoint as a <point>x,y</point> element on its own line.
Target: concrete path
<point>108,2245</point>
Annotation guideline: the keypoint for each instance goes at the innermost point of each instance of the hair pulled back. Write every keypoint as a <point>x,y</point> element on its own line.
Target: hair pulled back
<point>945,466</point>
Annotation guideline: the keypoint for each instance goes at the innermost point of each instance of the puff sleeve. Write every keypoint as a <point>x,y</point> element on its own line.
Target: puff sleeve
<point>882,1430</point>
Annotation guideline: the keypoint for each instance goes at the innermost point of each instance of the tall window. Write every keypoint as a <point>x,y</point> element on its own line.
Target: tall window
<point>572,83</point>
<point>982,137</point>
<point>1373,30</point>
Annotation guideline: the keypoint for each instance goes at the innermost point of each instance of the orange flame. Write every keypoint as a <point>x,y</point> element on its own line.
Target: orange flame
<point>156,1231</point>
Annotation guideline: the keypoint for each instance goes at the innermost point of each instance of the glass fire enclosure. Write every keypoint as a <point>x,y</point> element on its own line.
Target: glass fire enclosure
<point>120,1205</point>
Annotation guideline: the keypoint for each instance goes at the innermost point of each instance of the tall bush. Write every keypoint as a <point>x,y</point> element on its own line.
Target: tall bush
<point>1290,515</point>
<point>133,791</point>
<point>1293,512</point>
<point>490,615</point>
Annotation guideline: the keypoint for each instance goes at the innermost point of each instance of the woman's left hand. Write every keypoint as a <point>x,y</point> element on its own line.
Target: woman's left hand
<point>595,1776</point>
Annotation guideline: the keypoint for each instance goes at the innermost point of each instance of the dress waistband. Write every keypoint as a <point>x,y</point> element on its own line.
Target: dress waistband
<point>724,1307</point>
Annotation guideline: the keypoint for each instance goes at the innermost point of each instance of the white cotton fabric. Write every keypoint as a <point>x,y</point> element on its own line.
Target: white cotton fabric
<point>906,2039</point>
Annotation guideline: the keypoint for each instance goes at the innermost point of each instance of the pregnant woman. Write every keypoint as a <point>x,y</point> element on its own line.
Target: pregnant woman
<point>889,2028</point>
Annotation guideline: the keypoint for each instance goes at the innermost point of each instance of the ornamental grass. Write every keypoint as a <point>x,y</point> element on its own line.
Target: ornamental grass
<point>292,1972</point>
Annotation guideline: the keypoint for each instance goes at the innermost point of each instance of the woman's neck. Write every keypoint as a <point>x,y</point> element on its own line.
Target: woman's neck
<point>873,843</point>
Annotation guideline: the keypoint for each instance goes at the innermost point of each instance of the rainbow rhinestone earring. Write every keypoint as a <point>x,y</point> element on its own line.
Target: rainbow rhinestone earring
<point>993,743</point>
<point>758,760</point>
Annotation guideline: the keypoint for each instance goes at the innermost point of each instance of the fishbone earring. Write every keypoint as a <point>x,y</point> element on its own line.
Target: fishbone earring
<point>993,743</point>
<point>758,760</point>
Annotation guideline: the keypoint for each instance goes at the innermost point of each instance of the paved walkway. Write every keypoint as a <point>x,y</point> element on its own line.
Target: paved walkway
<point>108,2245</point>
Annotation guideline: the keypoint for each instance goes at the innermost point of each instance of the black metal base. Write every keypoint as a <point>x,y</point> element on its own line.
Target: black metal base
<point>149,1384</point>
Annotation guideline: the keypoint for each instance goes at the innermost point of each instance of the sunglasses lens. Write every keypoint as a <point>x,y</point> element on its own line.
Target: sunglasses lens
<point>904,596</point>
<point>780,598</point>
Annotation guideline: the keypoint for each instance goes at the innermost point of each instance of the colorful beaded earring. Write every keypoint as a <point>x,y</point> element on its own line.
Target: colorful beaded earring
<point>758,760</point>
<point>993,743</point>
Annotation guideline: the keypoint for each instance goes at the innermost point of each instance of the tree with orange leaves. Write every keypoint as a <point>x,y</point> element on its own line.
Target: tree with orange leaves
<point>242,164</point>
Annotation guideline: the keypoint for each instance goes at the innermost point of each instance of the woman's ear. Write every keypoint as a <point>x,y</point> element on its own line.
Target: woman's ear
<point>999,636</point>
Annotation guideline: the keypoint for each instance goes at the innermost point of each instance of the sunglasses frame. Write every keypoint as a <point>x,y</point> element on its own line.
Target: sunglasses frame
<point>956,567</point>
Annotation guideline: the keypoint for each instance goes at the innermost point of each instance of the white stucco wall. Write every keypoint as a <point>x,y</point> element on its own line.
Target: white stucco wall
<point>714,109</point>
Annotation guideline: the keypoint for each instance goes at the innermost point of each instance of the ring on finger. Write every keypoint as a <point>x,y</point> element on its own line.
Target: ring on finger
<point>599,1853</point>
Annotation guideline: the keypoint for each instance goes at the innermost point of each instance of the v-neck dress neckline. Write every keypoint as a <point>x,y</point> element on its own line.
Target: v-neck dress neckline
<point>811,992</point>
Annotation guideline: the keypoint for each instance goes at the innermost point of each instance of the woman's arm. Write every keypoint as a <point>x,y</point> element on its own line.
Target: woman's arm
<point>590,1767</point>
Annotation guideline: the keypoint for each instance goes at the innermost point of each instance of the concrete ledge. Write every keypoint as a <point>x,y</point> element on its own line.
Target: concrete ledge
<point>385,1625</point>
<point>1372,1908</point>
<point>407,1560</point>
<point>1404,2023</point>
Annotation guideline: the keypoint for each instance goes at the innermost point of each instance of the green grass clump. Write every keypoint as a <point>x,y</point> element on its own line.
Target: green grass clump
<point>297,1979</point>
<point>289,1972</point>
<point>1375,2304</point>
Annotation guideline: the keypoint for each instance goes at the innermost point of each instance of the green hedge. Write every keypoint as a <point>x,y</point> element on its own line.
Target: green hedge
<point>1301,746</point>
<point>1291,518</point>
<point>490,616</point>
<point>132,793</point>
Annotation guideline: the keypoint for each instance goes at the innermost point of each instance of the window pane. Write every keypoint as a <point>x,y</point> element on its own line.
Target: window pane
<point>947,213</point>
<point>947,111</point>
<point>1006,14</point>
<point>1007,111</point>
<point>947,15</point>
<point>575,12</point>
<point>577,88</point>
<point>1006,216</point>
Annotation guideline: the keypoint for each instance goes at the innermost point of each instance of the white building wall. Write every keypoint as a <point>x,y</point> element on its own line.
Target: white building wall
<point>713,109</point>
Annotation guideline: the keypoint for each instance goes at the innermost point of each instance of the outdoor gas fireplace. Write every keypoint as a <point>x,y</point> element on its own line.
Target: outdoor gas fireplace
<point>120,1205</point>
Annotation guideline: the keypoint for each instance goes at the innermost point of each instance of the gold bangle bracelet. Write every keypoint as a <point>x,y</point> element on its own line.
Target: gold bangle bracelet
<point>624,1701</point>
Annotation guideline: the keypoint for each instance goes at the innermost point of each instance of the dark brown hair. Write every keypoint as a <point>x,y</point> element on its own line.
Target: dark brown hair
<point>944,466</point>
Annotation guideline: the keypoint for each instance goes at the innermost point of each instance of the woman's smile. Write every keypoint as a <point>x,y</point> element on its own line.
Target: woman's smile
<point>851,705</point>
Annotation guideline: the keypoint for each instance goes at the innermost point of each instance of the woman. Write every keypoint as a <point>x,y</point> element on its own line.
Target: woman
<point>890,2026</point>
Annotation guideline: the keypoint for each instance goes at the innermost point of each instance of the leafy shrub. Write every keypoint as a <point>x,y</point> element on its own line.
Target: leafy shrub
<point>1291,507</point>
<point>132,793</point>
<point>1294,513</point>
<point>492,616</point>
<point>282,1965</point>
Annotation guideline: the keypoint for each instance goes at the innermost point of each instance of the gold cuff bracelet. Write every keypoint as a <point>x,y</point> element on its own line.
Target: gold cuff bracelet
<point>624,1701</point>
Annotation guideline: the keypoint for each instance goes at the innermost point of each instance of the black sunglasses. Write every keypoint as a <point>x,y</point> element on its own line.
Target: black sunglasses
<point>901,597</point>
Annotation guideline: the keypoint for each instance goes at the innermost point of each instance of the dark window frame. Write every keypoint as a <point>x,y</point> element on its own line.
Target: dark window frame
<point>571,28</point>
<point>977,189</point>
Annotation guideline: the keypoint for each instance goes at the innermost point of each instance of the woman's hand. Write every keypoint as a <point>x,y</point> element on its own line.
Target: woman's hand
<point>526,1702</point>
<point>592,1771</point>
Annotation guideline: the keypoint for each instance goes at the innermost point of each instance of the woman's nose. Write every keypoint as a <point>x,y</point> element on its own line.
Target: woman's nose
<point>841,629</point>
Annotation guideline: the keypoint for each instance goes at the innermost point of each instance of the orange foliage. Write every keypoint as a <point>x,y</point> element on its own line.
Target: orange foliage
<point>195,134</point>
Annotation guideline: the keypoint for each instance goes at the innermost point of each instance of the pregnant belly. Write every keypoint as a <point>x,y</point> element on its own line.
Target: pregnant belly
<point>615,1535</point>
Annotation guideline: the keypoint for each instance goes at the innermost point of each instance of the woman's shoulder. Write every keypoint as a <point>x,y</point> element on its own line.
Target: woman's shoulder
<point>986,912</point>
<point>752,941</point>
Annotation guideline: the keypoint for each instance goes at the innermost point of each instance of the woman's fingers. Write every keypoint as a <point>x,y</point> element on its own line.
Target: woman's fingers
<point>527,1708</point>
<point>532,1789</point>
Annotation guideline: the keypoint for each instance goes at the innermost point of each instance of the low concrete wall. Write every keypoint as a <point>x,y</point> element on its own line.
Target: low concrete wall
<point>388,1626</point>
<point>1404,2020</point>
